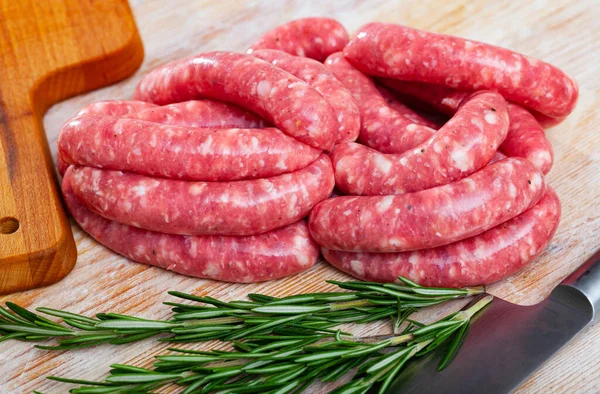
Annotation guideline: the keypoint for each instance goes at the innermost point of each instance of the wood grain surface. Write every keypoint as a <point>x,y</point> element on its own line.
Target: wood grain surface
<point>563,33</point>
<point>48,51</point>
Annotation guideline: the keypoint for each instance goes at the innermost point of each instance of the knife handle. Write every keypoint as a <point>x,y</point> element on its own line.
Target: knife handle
<point>586,279</point>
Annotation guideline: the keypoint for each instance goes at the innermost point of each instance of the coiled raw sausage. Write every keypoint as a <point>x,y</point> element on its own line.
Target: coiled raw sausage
<point>178,152</point>
<point>223,208</point>
<point>278,253</point>
<point>319,77</point>
<point>428,218</point>
<point>202,114</point>
<point>115,107</point>
<point>525,137</point>
<point>286,101</point>
<point>466,143</point>
<point>382,128</point>
<point>482,259</point>
<point>395,51</point>
<point>315,38</point>
<point>106,107</point>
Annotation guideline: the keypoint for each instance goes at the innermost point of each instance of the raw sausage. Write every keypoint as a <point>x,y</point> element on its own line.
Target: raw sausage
<point>195,208</point>
<point>315,38</point>
<point>194,113</point>
<point>466,143</point>
<point>115,107</point>
<point>282,99</point>
<point>395,51</point>
<point>282,252</point>
<point>320,78</point>
<point>382,128</point>
<point>107,107</point>
<point>482,259</point>
<point>525,137</point>
<point>177,152</point>
<point>201,113</point>
<point>428,218</point>
<point>446,100</point>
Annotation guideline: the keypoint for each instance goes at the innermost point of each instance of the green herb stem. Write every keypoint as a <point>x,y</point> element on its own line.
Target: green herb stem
<point>211,318</point>
<point>276,363</point>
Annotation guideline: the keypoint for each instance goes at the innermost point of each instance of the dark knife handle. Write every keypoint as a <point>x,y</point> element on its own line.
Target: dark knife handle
<point>586,279</point>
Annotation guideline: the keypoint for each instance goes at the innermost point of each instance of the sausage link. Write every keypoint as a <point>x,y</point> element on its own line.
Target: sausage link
<point>395,51</point>
<point>466,143</point>
<point>201,114</point>
<point>282,99</point>
<point>195,154</point>
<point>446,100</point>
<point>525,137</point>
<point>319,77</point>
<point>204,208</point>
<point>382,127</point>
<point>107,107</point>
<point>428,218</point>
<point>315,38</point>
<point>115,107</point>
<point>282,252</point>
<point>482,259</point>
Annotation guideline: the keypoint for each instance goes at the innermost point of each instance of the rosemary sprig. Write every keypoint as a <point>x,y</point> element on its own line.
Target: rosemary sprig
<point>290,363</point>
<point>210,318</point>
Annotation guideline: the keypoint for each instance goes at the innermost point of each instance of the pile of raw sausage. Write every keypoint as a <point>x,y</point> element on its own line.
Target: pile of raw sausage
<point>214,166</point>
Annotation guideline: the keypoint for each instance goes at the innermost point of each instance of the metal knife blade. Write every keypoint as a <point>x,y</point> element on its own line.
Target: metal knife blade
<point>508,342</point>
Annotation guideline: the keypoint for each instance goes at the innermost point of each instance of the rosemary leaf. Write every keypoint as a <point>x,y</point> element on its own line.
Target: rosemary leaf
<point>79,381</point>
<point>67,315</point>
<point>36,330</point>
<point>454,347</point>
<point>289,309</point>
<point>280,345</point>
<point>141,378</point>
<point>137,324</point>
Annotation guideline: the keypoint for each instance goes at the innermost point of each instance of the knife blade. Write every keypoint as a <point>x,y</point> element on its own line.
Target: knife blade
<point>508,342</point>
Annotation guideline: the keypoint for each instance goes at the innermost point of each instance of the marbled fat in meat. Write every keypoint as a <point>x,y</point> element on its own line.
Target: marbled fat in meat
<point>319,77</point>
<point>466,143</point>
<point>428,218</point>
<point>284,100</point>
<point>315,38</point>
<point>526,137</point>
<point>278,253</point>
<point>382,127</point>
<point>180,152</point>
<point>193,208</point>
<point>396,51</point>
<point>482,259</point>
<point>202,114</point>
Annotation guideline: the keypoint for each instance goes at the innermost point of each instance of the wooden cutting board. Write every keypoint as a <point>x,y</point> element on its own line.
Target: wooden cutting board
<point>561,32</point>
<point>50,50</point>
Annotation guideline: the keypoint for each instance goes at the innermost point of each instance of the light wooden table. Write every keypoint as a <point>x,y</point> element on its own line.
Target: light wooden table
<point>564,33</point>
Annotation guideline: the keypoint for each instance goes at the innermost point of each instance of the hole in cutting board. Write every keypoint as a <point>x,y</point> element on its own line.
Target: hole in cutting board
<point>8,225</point>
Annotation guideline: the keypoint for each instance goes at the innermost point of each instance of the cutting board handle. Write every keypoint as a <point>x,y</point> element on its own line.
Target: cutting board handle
<point>36,244</point>
<point>50,51</point>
